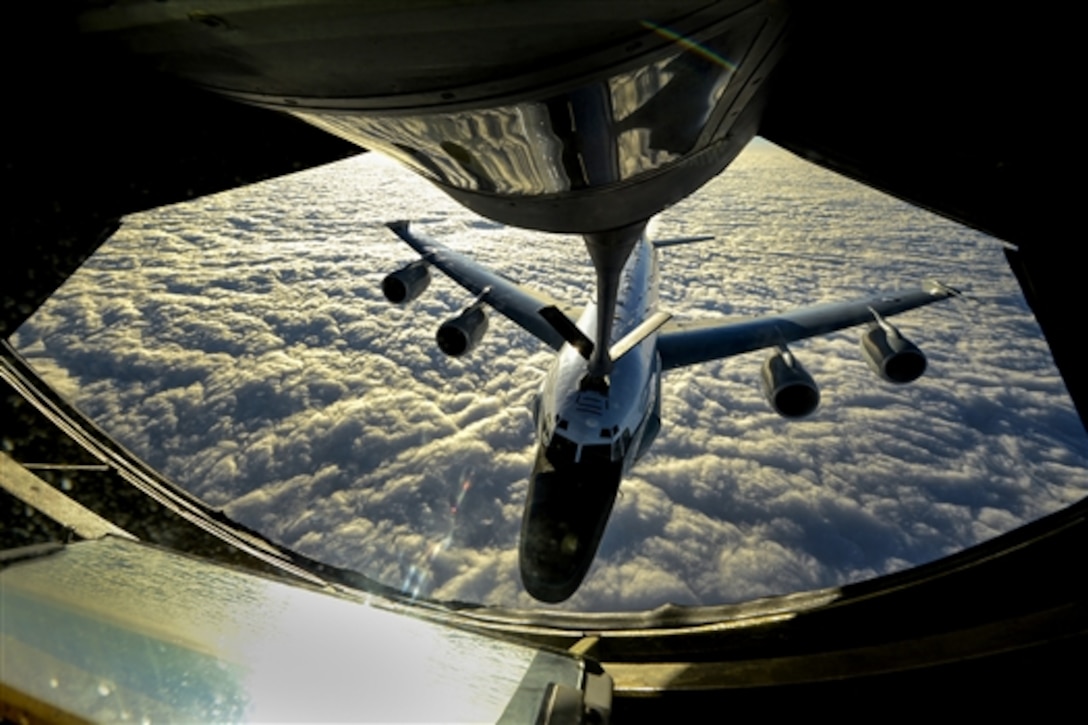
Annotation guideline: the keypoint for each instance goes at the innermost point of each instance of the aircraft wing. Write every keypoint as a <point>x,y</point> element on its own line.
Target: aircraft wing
<point>514,302</point>
<point>683,343</point>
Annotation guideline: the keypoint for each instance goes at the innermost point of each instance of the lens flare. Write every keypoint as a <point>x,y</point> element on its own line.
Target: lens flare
<point>419,574</point>
<point>692,46</point>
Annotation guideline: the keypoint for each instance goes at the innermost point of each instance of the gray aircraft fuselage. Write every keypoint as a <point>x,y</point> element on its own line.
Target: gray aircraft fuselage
<point>591,430</point>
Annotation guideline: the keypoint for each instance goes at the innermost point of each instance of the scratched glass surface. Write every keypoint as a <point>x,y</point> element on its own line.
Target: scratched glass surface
<point>241,344</point>
<point>115,631</point>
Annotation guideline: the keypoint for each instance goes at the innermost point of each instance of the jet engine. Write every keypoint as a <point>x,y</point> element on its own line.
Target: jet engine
<point>458,336</point>
<point>406,284</point>
<point>890,355</point>
<point>788,387</point>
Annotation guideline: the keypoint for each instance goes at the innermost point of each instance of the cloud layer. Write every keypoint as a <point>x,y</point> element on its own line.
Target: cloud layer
<point>240,343</point>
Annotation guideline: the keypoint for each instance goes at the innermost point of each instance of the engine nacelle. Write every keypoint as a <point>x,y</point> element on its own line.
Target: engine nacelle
<point>406,284</point>
<point>458,336</point>
<point>892,356</point>
<point>788,387</point>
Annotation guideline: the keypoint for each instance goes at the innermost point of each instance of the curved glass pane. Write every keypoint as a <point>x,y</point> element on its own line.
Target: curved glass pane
<point>241,344</point>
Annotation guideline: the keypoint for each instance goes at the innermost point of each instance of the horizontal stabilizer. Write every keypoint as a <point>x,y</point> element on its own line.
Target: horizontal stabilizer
<point>634,337</point>
<point>935,286</point>
<point>659,243</point>
<point>568,330</point>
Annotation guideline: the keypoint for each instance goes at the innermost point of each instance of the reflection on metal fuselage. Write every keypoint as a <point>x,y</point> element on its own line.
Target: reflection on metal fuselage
<point>623,135</point>
<point>590,435</point>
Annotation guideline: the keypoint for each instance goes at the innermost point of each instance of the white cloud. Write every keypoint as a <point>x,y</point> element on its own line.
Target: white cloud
<point>241,344</point>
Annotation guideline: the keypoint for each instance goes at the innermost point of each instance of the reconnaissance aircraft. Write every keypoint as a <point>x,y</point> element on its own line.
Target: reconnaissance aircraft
<point>563,117</point>
<point>599,406</point>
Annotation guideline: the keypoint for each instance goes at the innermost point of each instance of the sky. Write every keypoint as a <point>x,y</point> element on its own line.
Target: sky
<point>240,344</point>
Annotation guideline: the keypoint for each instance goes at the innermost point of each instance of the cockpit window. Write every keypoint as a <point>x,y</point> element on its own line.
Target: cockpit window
<point>561,451</point>
<point>596,454</point>
<point>619,446</point>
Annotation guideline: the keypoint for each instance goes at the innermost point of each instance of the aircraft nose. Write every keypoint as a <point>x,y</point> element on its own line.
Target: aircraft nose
<point>553,557</point>
<point>565,517</point>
